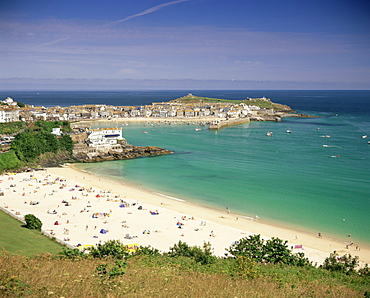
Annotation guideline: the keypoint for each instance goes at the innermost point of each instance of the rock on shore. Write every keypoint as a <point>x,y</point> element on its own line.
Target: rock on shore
<point>129,152</point>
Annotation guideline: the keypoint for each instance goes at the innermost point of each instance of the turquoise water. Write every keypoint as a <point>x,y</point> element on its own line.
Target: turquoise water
<point>288,179</point>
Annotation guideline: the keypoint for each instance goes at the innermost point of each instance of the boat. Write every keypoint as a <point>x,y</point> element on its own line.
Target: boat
<point>269,134</point>
<point>364,136</point>
<point>197,129</point>
<point>144,131</point>
<point>288,131</point>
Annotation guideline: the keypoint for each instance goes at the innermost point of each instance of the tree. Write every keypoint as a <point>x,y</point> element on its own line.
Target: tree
<point>32,222</point>
<point>276,251</point>
<point>66,143</point>
<point>26,146</point>
<point>48,142</point>
<point>273,251</point>
<point>250,247</point>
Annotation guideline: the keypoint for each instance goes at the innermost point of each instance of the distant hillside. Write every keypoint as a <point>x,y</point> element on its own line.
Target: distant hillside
<point>261,102</point>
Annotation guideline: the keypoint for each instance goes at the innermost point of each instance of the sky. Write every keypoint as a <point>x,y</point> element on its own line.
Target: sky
<point>180,44</point>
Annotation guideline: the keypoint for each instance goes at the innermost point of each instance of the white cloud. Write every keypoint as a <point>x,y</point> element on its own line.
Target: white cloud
<point>147,11</point>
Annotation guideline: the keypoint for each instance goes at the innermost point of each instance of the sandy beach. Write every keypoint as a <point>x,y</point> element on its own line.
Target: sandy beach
<point>81,208</point>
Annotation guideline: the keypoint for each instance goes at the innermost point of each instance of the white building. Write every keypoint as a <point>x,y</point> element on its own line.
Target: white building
<point>8,115</point>
<point>104,139</point>
<point>56,131</point>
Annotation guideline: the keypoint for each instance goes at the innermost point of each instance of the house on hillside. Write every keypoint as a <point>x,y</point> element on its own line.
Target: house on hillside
<point>106,139</point>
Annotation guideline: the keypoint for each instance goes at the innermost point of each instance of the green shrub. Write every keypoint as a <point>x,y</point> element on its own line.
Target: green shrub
<point>110,248</point>
<point>201,255</point>
<point>365,271</point>
<point>147,251</point>
<point>345,264</point>
<point>32,222</point>
<point>72,254</point>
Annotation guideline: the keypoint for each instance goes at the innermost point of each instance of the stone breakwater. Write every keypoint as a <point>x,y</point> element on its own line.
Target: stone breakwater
<point>129,152</point>
<point>230,122</point>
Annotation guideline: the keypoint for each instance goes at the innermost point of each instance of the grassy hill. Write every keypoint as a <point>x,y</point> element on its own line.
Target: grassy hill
<point>30,267</point>
<point>263,103</point>
<point>21,241</point>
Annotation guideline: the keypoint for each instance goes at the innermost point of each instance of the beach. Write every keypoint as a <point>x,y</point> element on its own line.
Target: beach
<point>80,208</point>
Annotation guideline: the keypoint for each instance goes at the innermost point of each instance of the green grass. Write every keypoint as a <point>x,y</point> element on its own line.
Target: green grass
<point>9,161</point>
<point>19,240</point>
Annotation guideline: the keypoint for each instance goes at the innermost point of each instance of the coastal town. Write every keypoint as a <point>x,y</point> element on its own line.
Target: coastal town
<point>187,107</point>
<point>91,145</point>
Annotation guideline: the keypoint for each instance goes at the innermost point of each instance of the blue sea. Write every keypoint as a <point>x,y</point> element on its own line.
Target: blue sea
<point>300,180</point>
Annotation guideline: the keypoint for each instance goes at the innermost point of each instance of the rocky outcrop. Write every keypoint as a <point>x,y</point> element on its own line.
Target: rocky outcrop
<point>129,152</point>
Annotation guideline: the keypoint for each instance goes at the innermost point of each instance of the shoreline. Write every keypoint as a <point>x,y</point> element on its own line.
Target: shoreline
<point>339,237</point>
<point>199,223</point>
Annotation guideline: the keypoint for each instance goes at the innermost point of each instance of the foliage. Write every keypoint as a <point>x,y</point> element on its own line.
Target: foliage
<point>273,251</point>
<point>250,247</point>
<point>11,127</point>
<point>110,248</point>
<point>47,142</point>
<point>32,222</point>
<point>345,264</point>
<point>65,143</point>
<point>20,104</point>
<point>72,254</point>
<point>26,146</point>
<point>147,251</point>
<point>38,140</point>
<point>365,271</point>
<point>201,255</point>
<point>47,126</point>
<point>246,267</point>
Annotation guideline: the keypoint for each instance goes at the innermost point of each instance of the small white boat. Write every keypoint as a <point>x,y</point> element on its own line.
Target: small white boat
<point>197,129</point>
<point>288,131</point>
<point>269,134</point>
<point>364,136</point>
